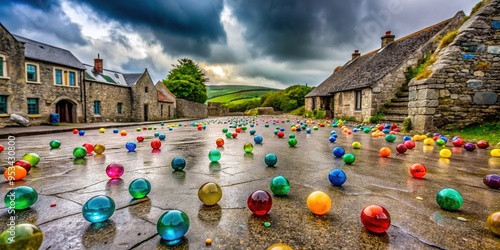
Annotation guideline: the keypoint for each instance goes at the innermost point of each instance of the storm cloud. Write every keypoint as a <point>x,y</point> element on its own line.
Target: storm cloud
<point>265,42</point>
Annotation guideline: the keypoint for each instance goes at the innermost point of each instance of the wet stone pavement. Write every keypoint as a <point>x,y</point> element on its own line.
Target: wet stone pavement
<point>417,223</point>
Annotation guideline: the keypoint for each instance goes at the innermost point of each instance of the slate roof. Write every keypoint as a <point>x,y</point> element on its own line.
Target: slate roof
<point>368,69</point>
<point>111,77</point>
<point>48,53</point>
<point>163,98</point>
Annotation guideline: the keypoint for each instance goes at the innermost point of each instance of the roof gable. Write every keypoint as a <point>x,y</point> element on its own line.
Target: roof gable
<point>111,77</point>
<point>368,69</point>
<point>48,53</point>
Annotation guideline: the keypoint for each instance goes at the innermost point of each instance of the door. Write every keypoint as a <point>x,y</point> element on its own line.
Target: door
<point>65,110</point>
<point>168,111</point>
<point>145,112</point>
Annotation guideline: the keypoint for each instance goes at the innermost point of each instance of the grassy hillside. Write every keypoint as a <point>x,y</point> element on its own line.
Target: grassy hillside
<point>239,95</point>
<point>214,91</point>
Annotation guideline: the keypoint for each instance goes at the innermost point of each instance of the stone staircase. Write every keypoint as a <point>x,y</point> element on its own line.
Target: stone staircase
<point>397,110</point>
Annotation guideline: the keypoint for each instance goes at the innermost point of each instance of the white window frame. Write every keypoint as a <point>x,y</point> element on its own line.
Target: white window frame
<point>37,71</point>
<point>4,66</point>
<point>65,78</point>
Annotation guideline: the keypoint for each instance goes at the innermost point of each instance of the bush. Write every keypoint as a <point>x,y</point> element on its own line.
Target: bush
<point>320,114</point>
<point>299,111</point>
<point>448,38</point>
<point>407,125</point>
<point>309,114</point>
<point>376,118</point>
<point>243,105</point>
<point>252,112</point>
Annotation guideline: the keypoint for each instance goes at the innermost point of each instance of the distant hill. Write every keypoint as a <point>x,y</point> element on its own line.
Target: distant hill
<point>229,93</point>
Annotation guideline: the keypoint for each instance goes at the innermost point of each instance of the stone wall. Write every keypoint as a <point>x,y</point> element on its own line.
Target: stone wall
<point>217,109</point>
<point>189,109</point>
<point>48,93</point>
<point>109,95</point>
<point>464,87</point>
<point>344,105</point>
<point>13,83</point>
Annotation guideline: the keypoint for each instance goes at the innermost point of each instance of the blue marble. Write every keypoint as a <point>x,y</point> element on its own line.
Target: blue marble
<point>98,208</point>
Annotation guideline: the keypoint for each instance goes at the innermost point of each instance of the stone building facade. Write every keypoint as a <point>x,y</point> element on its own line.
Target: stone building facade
<point>40,82</point>
<point>464,85</point>
<point>360,88</point>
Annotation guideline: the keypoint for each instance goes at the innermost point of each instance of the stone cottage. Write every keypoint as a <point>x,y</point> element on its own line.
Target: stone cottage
<point>464,85</point>
<point>365,84</point>
<point>38,79</point>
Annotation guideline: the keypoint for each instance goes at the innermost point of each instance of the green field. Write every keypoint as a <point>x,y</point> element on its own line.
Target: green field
<point>229,93</point>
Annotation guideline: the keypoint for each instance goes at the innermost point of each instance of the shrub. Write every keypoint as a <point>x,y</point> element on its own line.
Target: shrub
<point>320,114</point>
<point>309,114</point>
<point>299,111</point>
<point>376,118</point>
<point>407,125</point>
<point>448,38</point>
<point>252,112</point>
<point>477,7</point>
<point>424,74</point>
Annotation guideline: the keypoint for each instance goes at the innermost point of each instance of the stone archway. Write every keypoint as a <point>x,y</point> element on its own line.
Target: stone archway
<point>66,110</point>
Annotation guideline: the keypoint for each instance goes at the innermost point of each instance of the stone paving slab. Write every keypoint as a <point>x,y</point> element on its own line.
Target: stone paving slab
<point>416,223</point>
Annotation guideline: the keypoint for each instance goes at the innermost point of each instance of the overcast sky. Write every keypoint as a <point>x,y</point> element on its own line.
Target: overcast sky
<point>273,43</point>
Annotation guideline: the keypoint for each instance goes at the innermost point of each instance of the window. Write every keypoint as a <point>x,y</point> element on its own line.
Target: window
<point>31,73</point>
<point>358,99</point>
<point>146,90</point>
<point>97,107</point>
<point>3,104</point>
<point>119,108</point>
<point>71,79</point>
<point>314,103</point>
<point>59,80</point>
<point>33,106</point>
<point>2,65</point>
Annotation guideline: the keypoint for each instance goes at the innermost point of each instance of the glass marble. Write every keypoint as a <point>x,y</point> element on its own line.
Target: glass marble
<point>429,142</point>
<point>248,147</point>
<point>280,185</point>
<point>224,130</point>
<point>81,132</point>
<point>337,177</point>
<point>292,142</point>
<point>79,152</point>
<point>172,226</point>
<point>279,246</point>
<point>75,131</point>
<point>115,131</point>
<point>291,136</point>
<point>492,181</point>
<point>375,218</point>
<point>271,160</point>
<point>156,144</point>
<point>493,222</point>
<point>258,139</point>
<point>495,152</point>
<point>99,148</point>
<point>390,138</point>
<point>26,236</point>
<point>229,135</point>
<point>449,199</point>
<point>418,170</point>
<point>266,125</point>
<point>210,193</point>
<point>252,132</point>
<point>21,197</point>
<point>356,145</point>
<point>409,144</point>
<point>219,142</point>
<point>115,170</point>
<point>98,208</point>
<point>214,155</point>
<point>24,164</point>
<point>55,144</point>
<point>139,188</point>
<point>319,202</point>
<point>458,142</point>
<point>260,202</point>
<point>349,159</point>
<point>123,133</point>
<point>161,137</point>
<point>367,130</point>
<point>385,152</point>
<point>445,153</point>
<point>332,138</point>
<point>440,142</point>
<point>15,173</point>
<point>89,147</point>
<point>102,130</point>
<point>178,163</point>
<point>469,146</point>
<point>156,134</point>
<point>32,158</point>
<point>401,148</point>
<point>482,144</point>
<point>338,151</point>
<point>130,146</point>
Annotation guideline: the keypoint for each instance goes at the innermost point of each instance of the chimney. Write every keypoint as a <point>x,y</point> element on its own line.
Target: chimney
<point>355,55</point>
<point>388,38</point>
<point>98,64</point>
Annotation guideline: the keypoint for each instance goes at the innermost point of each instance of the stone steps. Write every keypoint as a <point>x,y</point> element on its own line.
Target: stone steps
<point>396,104</point>
<point>396,112</point>
<point>399,119</point>
<point>400,99</point>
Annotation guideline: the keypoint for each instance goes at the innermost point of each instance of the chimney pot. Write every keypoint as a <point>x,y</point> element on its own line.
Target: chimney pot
<point>98,65</point>
<point>387,33</point>
<point>388,38</point>
<point>356,54</point>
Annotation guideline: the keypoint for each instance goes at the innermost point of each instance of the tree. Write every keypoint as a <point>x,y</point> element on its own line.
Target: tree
<point>187,81</point>
<point>287,99</point>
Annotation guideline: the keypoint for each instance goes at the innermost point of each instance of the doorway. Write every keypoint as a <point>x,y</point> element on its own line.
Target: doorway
<point>145,112</point>
<point>66,110</point>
